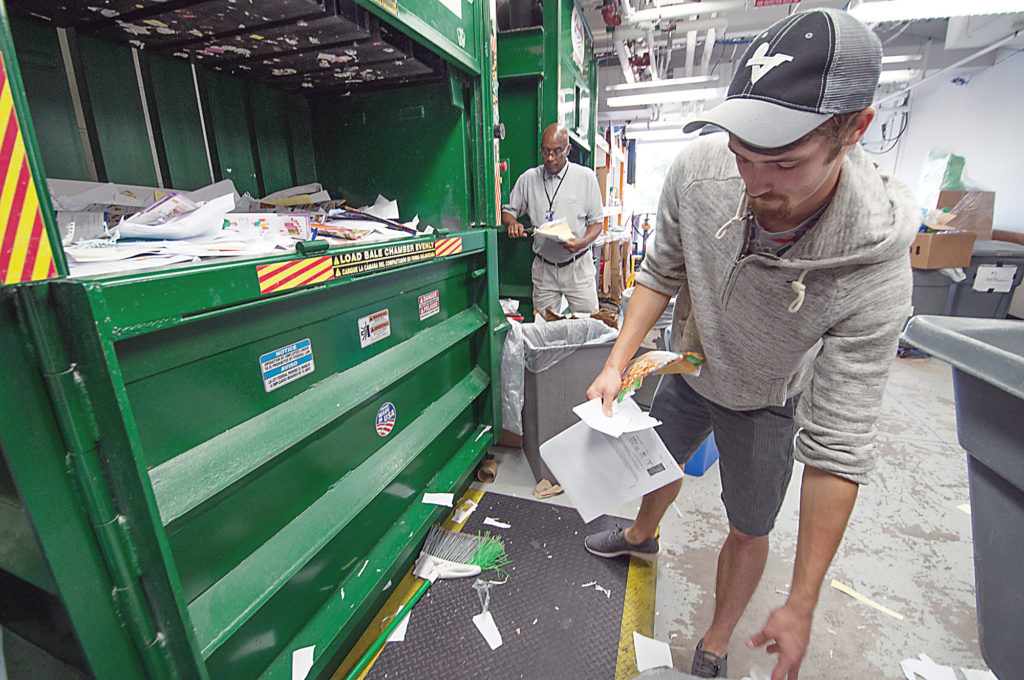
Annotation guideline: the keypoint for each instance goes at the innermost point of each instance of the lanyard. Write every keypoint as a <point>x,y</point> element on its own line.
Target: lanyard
<point>551,198</point>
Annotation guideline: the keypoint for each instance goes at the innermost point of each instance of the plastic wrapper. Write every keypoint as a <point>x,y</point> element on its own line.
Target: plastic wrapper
<point>943,171</point>
<point>538,347</point>
<point>657,362</point>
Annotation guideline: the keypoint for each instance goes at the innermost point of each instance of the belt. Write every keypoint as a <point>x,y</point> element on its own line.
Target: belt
<point>567,262</point>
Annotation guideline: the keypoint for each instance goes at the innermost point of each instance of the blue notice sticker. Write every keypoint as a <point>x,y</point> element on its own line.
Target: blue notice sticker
<point>284,365</point>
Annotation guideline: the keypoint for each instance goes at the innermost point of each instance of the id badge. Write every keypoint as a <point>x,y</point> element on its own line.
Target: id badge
<point>549,215</point>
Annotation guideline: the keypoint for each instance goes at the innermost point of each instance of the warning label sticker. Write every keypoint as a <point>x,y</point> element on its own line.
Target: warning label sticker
<point>385,257</point>
<point>284,365</point>
<point>430,304</point>
<point>375,327</point>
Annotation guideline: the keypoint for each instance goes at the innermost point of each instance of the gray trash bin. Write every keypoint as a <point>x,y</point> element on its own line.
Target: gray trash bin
<point>562,358</point>
<point>988,380</point>
<point>931,291</point>
<point>996,269</point>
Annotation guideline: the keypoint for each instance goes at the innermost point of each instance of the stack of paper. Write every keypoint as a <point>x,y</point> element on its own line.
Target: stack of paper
<point>603,463</point>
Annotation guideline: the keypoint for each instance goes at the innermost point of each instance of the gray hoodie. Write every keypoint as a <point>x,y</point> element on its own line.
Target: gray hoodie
<point>822,320</point>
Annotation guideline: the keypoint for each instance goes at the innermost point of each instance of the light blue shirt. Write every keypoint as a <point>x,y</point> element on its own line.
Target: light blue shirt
<point>572,193</point>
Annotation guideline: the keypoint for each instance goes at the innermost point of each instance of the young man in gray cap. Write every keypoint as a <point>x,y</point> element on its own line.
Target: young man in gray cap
<point>788,249</point>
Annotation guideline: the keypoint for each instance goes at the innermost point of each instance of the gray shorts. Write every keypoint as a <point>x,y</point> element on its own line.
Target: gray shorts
<point>755,449</point>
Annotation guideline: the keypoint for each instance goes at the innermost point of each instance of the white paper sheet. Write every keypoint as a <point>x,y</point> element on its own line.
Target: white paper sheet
<point>492,522</point>
<point>627,416</point>
<point>651,653</point>
<point>445,499</point>
<point>600,473</point>
<point>205,221</point>
<point>302,661</point>
<point>398,634</point>
<point>926,669</point>
<point>485,624</point>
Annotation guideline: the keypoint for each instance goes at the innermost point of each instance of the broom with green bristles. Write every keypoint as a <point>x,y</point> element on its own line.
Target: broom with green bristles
<point>446,554</point>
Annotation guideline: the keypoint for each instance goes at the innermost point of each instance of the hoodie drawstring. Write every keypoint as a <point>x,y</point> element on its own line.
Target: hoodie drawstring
<point>741,213</point>
<point>799,287</point>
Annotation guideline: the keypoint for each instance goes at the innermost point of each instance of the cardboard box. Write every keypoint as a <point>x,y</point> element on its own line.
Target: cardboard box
<point>942,249</point>
<point>973,214</point>
<point>602,181</point>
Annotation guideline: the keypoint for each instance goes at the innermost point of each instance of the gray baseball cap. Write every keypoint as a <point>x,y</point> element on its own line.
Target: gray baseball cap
<point>797,74</point>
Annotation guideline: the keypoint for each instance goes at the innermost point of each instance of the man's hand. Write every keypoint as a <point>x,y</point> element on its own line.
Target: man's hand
<point>606,386</point>
<point>574,245</point>
<point>516,229</point>
<point>789,629</point>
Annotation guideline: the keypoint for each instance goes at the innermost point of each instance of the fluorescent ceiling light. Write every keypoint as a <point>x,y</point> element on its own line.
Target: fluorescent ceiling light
<point>900,76</point>
<point>900,59</point>
<point>911,10</point>
<point>668,97</point>
<point>655,125</point>
<point>659,85</point>
<point>660,135</point>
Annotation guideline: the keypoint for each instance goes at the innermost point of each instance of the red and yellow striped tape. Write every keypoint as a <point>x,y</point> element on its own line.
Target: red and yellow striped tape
<point>25,253</point>
<point>285,275</point>
<point>448,246</point>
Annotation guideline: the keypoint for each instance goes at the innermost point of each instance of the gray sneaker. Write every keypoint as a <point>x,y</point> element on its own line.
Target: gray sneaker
<point>612,543</point>
<point>706,664</point>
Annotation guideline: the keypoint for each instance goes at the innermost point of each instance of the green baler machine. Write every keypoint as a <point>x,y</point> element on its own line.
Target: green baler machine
<point>208,468</point>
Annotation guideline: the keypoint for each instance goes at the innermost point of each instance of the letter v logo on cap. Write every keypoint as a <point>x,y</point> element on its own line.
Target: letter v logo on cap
<point>760,63</point>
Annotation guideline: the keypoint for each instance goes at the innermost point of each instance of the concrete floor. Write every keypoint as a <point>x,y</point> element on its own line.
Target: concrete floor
<point>907,547</point>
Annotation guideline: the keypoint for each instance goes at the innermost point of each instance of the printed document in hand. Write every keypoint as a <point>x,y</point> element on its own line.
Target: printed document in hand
<point>626,417</point>
<point>601,473</point>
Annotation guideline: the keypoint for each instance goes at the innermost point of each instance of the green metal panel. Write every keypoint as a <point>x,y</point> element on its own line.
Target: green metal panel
<point>409,144</point>
<point>270,120</point>
<point>120,120</point>
<point>228,118</point>
<point>53,111</point>
<point>300,133</point>
<point>37,457</point>
<point>180,123</point>
<point>521,53</point>
<point>450,34</point>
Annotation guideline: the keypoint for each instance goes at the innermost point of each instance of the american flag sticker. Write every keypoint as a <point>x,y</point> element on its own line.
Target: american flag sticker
<point>386,419</point>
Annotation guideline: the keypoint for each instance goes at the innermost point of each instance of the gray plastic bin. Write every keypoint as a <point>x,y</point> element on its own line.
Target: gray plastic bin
<point>972,297</point>
<point>563,373</point>
<point>988,380</point>
<point>931,291</point>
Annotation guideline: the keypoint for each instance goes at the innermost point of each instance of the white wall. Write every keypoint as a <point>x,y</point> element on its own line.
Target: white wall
<point>983,121</point>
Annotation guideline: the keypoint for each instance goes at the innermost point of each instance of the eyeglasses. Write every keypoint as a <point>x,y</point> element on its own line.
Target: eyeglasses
<point>545,152</point>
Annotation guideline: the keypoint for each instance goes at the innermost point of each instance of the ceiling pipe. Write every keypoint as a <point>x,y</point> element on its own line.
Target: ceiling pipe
<point>691,53</point>
<point>627,70</point>
<point>633,33</point>
<point>957,64</point>
<point>652,55</point>
<point>705,55</point>
<point>668,56</point>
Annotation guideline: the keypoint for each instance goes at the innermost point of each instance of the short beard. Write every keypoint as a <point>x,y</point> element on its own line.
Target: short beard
<point>769,210</point>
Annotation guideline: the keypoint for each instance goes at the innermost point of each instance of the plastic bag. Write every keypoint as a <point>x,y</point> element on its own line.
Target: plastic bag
<point>538,347</point>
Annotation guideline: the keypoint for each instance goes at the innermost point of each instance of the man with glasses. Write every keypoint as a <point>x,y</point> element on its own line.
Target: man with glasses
<point>556,190</point>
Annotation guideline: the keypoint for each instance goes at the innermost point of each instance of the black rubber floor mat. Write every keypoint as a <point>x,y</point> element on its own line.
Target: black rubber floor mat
<point>559,613</point>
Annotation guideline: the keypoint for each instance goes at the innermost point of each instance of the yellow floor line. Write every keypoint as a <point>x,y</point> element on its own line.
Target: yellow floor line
<point>637,613</point>
<point>403,591</point>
